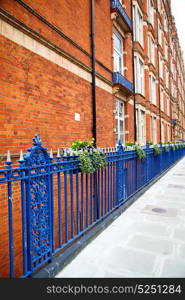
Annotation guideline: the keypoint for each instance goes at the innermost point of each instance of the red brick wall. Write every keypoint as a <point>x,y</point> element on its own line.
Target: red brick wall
<point>35,100</point>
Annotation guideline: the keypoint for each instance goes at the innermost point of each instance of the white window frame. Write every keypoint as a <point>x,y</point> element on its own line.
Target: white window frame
<point>154,124</point>
<point>162,99</point>
<point>162,131</point>
<point>168,133</point>
<point>152,89</point>
<point>168,105</point>
<point>143,127</point>
<point>137,125</point>
<point>160,66</point>
<point>139,74</point>
<point>167,77</point>
<point>151,128</point>
<point>138,24</point>
<point>118,120</point>
<point>151,49</point>
<point>117,52</point>
<point>160,34</point>
<point>151,12</point>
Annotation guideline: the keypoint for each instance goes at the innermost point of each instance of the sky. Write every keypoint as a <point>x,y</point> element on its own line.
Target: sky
<point>178,11</point>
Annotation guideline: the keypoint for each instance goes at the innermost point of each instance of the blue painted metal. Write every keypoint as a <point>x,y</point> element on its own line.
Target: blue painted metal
<point>10,219</point>
<point>118,78</point>
<point>38,202</point>
<point>50,224</point>
<point>115,4</point>
<point>24,225</point>
<point>120,174</point>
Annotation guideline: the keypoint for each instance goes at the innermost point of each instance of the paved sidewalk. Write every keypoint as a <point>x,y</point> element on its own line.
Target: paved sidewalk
<point>147,240</point>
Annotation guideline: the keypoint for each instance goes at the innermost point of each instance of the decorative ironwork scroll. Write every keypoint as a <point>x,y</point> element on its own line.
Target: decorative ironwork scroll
<point>120,175</point>
<point>38,204</point>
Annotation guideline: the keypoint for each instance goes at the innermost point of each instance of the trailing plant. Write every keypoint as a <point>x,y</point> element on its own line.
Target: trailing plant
<point>173,147</point>
<point>85,162</point>
<point>140,152</point>
<point>90,162</point>
<point>166,149</point>
<point>98,159</point>
<point>157,150</point>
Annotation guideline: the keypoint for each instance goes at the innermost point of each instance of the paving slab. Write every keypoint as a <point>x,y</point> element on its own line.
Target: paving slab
<point>141,242</point>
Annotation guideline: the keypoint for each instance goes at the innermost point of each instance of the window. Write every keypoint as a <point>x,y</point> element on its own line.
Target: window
<point>154,130</point>
<point>162,99</point>
<point>167,105</point>
<point>152,87</point>
<point>151,12</point>
<point>159,4</point>
<point>168,133</point>
<point>167,78</point>
<point>151,129</point>
<point>166,50</point>
<point>118,52</point>
<point>160,34</point>
<point>140,28</point>
<point>151,50</point>
<point>165,23</point>
<point>139,75</point>
<point>138,25</point>
<point>143,142</point>
<point>160,66</point>
<point>120,123</point>
<point>137,125</point>
<point>162,132</point>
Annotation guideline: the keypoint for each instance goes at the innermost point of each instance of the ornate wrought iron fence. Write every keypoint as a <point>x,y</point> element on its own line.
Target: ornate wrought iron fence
<point>47,203</point>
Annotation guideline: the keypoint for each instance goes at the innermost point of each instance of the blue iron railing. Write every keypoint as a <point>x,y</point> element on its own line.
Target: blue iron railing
<point>118,78</point>
<point>47,203</point>
<point>115,4</point>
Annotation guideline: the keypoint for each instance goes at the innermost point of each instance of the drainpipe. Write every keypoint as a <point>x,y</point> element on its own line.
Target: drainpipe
<point>93,73</point>
<point>159,90</point>
<point>133,72</point>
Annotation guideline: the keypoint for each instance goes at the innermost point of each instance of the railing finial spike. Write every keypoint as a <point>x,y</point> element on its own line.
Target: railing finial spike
<point>8,157</point>
<point>51,153</point>
<point>58,153</point>
<point>21,158</point>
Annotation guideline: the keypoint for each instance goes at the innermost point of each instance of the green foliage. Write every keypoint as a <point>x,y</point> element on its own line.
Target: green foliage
<point>173,147</point>
<point>89,163</point>
<point>140,152</point>
<point>85,163</point>
<point>157,150</point>
<point>98,159</point>
<point>166,149</point>
<point>150,143</point>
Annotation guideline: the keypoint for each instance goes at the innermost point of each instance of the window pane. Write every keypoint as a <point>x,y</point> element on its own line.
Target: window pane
<point>117,108</point>
<point>121,126</point>
<point>117,43</point>
<point>120,109</point>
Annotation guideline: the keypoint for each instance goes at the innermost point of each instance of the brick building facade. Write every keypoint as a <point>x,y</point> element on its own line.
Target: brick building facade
<point>46,74</point>
<point>159,73</point>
